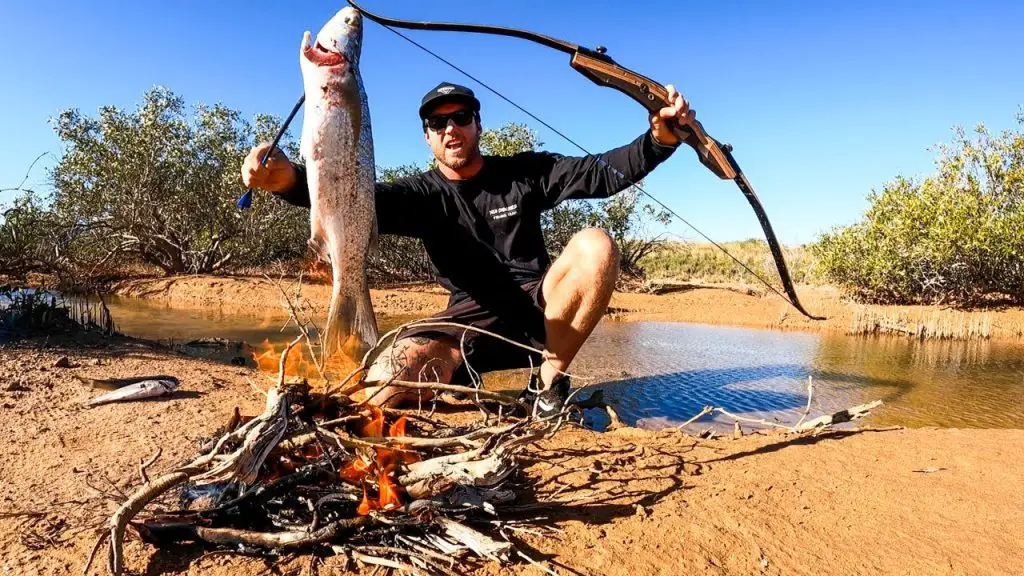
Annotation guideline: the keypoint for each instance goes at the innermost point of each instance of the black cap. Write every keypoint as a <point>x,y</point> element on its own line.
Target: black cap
<point>447,92</point>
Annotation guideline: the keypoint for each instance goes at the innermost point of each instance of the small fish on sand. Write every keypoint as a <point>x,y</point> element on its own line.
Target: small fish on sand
<point>115,383</point>
<point>137,391</point>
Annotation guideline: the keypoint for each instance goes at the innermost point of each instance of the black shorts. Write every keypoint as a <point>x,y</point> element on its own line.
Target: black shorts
<point>484,352</point>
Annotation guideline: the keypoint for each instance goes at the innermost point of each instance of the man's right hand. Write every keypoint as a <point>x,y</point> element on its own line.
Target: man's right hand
<point>277,176</point>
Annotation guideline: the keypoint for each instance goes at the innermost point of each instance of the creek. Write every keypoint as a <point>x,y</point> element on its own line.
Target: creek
<point>659,374</point>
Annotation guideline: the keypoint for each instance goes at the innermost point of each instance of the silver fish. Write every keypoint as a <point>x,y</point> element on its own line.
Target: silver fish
<point>338,149</point>
<point>137,391</point>
<point>115,383</point>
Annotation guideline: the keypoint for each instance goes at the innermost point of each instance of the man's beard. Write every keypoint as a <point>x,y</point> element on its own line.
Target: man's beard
<point>468,154</point>
<point>455,163</point>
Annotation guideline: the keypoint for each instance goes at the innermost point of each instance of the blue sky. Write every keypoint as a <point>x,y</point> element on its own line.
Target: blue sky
<point>822,101</point>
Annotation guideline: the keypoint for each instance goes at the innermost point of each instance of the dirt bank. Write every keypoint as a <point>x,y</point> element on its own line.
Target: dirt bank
<point>919,502</point>
<point>680,302</point>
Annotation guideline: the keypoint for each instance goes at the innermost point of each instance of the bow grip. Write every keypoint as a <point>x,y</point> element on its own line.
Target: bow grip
<point>604,71</point>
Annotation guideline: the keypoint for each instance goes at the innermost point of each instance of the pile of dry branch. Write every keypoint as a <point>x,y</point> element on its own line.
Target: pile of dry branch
<point>316,471</point>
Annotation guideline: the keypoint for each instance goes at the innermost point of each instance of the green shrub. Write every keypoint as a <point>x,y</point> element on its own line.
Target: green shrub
<point>954,237</point>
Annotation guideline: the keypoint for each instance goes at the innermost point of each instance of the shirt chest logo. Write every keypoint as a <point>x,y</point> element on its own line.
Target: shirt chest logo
<point>503,212</point>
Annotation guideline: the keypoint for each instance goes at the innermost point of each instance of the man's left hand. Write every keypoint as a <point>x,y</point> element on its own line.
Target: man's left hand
<point>677,110</point>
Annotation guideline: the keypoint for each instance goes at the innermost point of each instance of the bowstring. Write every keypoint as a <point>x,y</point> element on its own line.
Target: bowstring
<point>587,152</point>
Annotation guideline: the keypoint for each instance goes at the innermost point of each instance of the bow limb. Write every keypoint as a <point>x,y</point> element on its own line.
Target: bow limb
<point>478,28</point>
<point>773,243</point>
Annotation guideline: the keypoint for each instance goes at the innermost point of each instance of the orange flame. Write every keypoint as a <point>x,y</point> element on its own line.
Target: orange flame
<point>300,364</point>
<point>355,471</point>
<point>389,498</point>
<point>367,505</point>
<point>389,495</point>
<point>268,358</point>
<point>397,429</point>
<point>375,428</point>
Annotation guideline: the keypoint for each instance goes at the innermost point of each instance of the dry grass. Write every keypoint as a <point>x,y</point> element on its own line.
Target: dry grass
<point>706,263</point>
<point>922,324</point>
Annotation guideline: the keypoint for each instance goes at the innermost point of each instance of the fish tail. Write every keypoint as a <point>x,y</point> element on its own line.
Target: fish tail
<point>366,322</point>
<point>351,324</point>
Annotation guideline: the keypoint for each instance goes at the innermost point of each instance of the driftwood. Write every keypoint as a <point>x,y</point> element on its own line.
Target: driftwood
<point>815,425</point>
<point>847,415</point>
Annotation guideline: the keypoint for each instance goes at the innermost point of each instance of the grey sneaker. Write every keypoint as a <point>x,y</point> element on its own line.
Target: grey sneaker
<point>548,402</point>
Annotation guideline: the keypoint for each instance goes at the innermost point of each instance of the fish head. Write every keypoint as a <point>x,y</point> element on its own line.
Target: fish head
<point>337,46</point>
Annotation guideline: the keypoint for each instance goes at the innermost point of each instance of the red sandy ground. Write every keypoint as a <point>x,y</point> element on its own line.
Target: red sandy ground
<point>841,503</point>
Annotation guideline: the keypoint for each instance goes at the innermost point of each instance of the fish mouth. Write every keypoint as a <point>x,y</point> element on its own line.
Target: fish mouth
<point>321,56</point>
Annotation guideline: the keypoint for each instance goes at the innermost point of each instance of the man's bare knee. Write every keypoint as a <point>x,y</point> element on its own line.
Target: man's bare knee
<point>417,359</point>
<point>590,260</point>
<point>412,359</point>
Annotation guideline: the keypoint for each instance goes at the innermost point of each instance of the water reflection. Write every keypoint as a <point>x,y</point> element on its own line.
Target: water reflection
<point>660,374</point>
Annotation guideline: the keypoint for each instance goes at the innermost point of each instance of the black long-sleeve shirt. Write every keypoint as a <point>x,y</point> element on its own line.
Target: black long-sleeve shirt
<point>483,235</point>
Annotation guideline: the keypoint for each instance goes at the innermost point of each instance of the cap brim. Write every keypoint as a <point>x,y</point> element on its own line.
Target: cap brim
<point>470,101</point>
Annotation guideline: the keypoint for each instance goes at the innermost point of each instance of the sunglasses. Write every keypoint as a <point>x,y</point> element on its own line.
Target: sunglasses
<point>439,122</point>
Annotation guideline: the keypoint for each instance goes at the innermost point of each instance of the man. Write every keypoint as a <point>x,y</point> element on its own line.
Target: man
<point>479,220</point>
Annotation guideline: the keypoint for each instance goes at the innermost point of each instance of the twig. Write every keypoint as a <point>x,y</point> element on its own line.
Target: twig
<point>366,558</point>
<point>810,392</point>
<point>129,509</point>
<point>99,542</point>
<point>256,388</point>
<point>27,172</point>
<point>706,410</point>
<point>342,420</point>
<point>25,514</point>
<point>301,325</point>
<point>440,387</point>
<point>431,559</point>
<point>752,420</point>
<point>352,443</point>
<point>284,359</point>
<point>144,465</point>
<point>285,539</point>
<point>838,417</point>
<point>536,563</point>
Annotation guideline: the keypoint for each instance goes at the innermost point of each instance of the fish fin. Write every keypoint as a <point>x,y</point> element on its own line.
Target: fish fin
<point>341,319</point>
<point>94,383</point>
<point>351,325</point>
<point>319,250</point>
<point>366,321</point>
<point>374,247</point>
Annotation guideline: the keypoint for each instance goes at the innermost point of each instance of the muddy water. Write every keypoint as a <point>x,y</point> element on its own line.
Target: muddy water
<point>660,374</point>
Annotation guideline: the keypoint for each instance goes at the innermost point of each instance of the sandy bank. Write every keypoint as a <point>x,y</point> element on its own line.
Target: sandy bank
<point>920,502</point>
<point>706,304</point>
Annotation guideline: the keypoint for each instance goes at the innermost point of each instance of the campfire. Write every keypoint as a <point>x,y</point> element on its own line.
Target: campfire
<point>316,471</point>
